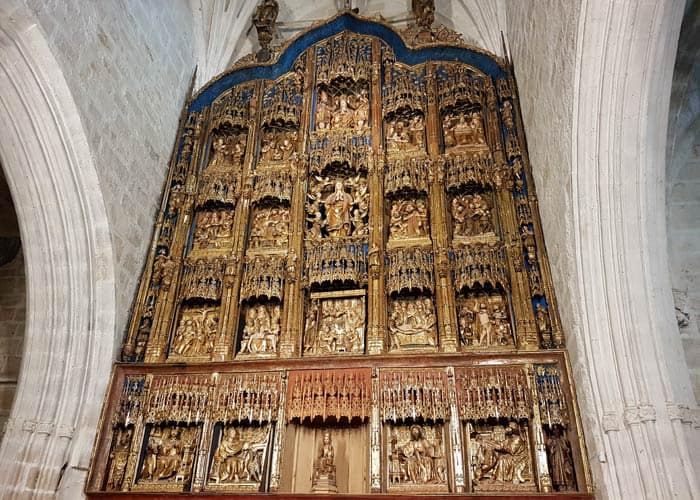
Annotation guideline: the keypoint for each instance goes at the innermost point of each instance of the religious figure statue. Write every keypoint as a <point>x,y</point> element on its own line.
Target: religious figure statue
<point>464,129</point>
<point>361,111</point>
<point>164,455</point>
<point>343,116</point>
<point>471,216</point>
<point>269,227</point>
<point>261,330</point>
<point>405,135</point>
<point>324,477</point>
<point>412,323</point>
<point>542,318</point>
<point>238,459</point>
<point>560,463</point>
<point>118,458</point>
<point>213,229</point>
<point>417,461</point>
<point>483,322</point>
<point>500,459</point>
<point>196,332</point>
<point>409,219</point>
<point>340,328</point>
<point>512,460</point>
<point>324,111</point>
<point>338,205</point>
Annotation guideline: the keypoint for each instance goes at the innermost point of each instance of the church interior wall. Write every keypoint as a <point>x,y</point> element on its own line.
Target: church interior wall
<point>129,66</point>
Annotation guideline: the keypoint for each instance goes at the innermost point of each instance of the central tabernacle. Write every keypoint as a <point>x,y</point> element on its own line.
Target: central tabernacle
<point>348,290</point>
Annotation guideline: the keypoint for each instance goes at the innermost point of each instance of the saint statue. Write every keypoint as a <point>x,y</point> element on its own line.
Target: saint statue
<point>323,479</point>
<point>559,458</point>
<point>338,205</point>
<point>163,455</point>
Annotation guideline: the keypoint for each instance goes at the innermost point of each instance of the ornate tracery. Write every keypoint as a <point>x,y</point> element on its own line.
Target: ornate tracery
<point>368,206</point>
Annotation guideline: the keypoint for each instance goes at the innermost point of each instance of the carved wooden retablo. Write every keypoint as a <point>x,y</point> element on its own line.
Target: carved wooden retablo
<point>348,289</point>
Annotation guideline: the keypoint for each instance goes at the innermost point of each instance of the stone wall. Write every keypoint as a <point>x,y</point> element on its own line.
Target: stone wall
<point>683,190</point>
<point>12,321</point>
<point>128,65</point>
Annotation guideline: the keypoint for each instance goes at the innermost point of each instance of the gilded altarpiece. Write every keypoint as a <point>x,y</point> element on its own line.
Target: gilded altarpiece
<point>348,290</point>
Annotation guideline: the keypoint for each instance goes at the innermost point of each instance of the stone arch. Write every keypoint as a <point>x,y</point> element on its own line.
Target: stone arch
<point>69,343</point>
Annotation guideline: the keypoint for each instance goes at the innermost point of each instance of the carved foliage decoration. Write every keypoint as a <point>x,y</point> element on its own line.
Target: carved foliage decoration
<point>347,56</point>
<point>202,279</point>
<point>409,269</point>
<point>263,277</point>
<point>233,107</point>
<point>486,392</point>
<point>551,399</point>
<point>414,394</point>
<point>282,100</point>
<point>458,85</point>
<point>329,394</point>
<point>335,261</point>
<point>480,265</point>
<point>406,175</point>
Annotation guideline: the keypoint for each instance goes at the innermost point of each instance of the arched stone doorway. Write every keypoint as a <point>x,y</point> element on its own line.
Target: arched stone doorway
<point>69,266</point>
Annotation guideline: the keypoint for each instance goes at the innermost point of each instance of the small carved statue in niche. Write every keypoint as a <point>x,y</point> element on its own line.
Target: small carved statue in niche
<point>278,145</point>
<point>335,326</point>
<point>412,323</point>
<point>118,458</point>
<point>337,214</point>
<point>338,205</point>
<point>324,477</point>
<point>561,465</point>
<point>464,129</point>
<point>544,326</point>
<point>196,332</point>
<point>165,454</point>
<point>405,134</point>
<point>214,229</point>
<point>270,227</point>
<point>483,322</point>
<point>500,459</point>
<point>361,106</point>
<point>507,115</point>
<point>343,115</point>
<point>324,111</point>
<point>262,329</point>
<point>471,216</point>
<point>238,458</point>
<point>416,460</point>
<point>409,219</point>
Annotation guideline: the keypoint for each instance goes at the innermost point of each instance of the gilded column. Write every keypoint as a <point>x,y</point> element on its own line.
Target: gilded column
<point>233,274</point>
<point>375,426</point>
<point>524,321</point>
<point>542,259</point>
<point>376,294</point>
<point>293,316</point>
<point>199,474</point>
<point>455,433</point>
<point>543,479</point>
<point>280,428</point>
<point>444,289</point>
<point>136,442</point>
<point>170,266</point>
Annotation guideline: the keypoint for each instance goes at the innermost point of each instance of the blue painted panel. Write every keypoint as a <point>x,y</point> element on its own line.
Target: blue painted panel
<point>347,22</point>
